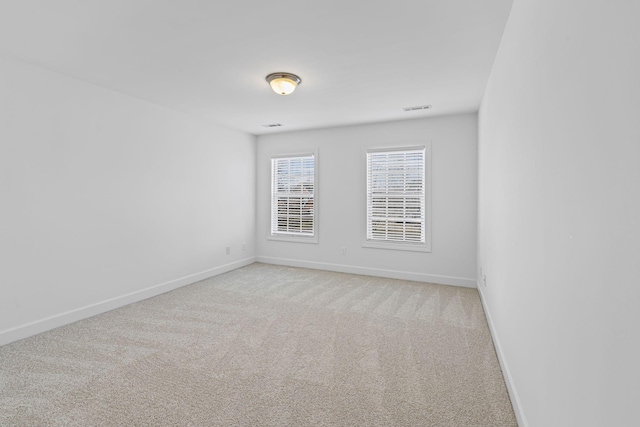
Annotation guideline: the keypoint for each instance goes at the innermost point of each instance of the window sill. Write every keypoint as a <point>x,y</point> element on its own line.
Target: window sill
<point>293,239</point>
<point>412,247</point>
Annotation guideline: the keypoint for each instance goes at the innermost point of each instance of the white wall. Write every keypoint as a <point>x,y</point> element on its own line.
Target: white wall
<point>104,196</point>
<point>559,210</point>
<point>342,196</point>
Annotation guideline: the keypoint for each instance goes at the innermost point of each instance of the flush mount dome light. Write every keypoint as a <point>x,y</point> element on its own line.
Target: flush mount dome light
<point>283,83</point>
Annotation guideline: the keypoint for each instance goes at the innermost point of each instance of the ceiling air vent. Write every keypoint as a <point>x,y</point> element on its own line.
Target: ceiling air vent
<point>419,107</point>
<point>273,125</point>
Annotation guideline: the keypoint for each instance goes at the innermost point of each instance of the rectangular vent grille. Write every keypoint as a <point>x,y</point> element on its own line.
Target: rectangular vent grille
<point>273,125</point>
<point>419,107</point>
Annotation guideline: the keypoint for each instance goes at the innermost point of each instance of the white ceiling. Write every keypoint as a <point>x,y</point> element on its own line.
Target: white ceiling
<point>360,60</point>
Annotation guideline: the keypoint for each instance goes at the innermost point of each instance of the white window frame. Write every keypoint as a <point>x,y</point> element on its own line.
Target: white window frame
<point>292,236</point>
<point>426,225</point>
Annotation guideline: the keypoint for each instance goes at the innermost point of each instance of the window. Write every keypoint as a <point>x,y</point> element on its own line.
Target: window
<point>293,185</point>
<point>396,199</point>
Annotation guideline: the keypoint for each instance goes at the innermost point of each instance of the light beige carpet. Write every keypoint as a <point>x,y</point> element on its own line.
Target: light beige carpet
<point>266,346</point>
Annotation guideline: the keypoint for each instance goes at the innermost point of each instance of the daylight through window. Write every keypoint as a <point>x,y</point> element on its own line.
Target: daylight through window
<point>396,195</point>
<point>292,195</point>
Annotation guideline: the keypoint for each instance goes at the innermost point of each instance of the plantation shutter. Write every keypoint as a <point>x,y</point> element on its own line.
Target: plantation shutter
<point>396,195</point>
<point>292,195</point>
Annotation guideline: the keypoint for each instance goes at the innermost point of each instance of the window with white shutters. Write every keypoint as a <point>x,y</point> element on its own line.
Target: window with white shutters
<point>293,184</point>
<point>396,196</point>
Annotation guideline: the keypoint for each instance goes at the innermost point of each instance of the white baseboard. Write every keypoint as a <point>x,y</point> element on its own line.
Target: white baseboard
<point>366,271</point>
<point>508,379</point>
<point>24,331</point>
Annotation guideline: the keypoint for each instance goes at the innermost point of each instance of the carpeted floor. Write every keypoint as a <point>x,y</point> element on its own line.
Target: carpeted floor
<point>266,346</point>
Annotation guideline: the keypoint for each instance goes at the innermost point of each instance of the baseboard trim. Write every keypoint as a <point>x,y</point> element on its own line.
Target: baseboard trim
<point>366,271</point>
<point>511,387</point>
<point>42,325</point>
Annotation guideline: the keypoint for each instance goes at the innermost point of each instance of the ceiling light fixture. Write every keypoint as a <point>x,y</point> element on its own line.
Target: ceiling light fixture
<point>283,83</point>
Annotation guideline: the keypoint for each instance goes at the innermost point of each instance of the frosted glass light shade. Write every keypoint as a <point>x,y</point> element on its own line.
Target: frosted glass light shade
<point>283,86</point>
<point>283,83</point>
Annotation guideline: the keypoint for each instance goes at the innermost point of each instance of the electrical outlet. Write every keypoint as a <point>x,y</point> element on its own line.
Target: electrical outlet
<point>228,250</point>
<point>344,250</point>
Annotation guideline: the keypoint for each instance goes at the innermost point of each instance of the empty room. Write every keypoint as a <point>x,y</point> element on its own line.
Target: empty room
<point>338,213</point>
